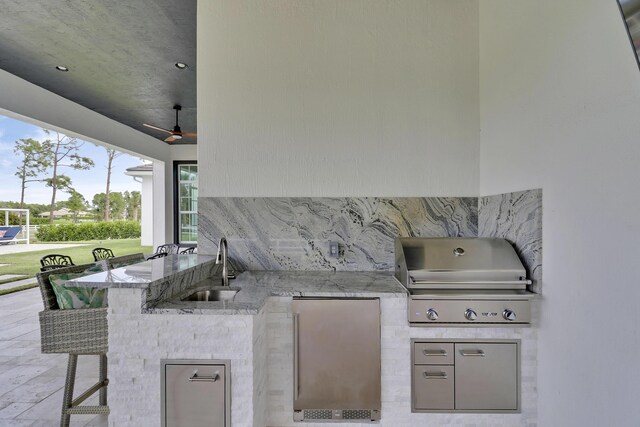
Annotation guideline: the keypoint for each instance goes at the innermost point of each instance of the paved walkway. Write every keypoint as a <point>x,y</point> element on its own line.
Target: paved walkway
<point>31,383</point>
<point>16,283</point>
<point>14,249</point>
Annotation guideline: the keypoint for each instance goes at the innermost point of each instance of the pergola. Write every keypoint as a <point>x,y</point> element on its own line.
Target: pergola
<point>6,221</point>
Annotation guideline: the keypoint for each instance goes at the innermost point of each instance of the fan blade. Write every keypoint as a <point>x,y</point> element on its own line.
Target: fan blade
<point>170,139</point>
<point>193,135</point>
<point>157,128</point>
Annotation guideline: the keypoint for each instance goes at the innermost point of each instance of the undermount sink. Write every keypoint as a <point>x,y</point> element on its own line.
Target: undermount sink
<point>212,295</point>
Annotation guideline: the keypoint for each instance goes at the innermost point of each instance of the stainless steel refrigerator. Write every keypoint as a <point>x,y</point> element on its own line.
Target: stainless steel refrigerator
<point>336,359</point>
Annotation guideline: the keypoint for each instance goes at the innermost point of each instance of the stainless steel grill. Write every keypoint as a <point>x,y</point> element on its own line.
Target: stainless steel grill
<point>463,281</point>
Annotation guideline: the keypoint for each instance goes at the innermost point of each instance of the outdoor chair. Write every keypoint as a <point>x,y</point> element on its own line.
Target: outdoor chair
<point>102,253</point>
<point>169,248</point>
<point>124,260</point>
<point>8,234</point>
<point>55,261</point>
<point>190,250</point>
<point>76,332</point>
<point>158,255</point>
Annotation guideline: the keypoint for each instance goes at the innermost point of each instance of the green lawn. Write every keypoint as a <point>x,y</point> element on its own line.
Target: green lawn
<point>28,263</point>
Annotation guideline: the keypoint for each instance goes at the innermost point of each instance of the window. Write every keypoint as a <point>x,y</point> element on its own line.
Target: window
<point>186,202</point>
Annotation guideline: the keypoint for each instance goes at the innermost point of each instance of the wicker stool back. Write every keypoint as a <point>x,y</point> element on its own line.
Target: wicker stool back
<point>125,260</point>
<point>81,331</point>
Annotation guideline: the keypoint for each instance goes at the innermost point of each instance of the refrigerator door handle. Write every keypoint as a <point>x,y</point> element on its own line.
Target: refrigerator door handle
<point>296,355</point>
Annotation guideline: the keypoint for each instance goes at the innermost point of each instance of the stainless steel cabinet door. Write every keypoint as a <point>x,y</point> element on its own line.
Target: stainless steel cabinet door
<point>486,376</point>
<point>433,387</point>
<point>336,354</point>
<point>194,396</point>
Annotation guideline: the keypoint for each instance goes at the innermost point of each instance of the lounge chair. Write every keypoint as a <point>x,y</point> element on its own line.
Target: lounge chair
<point>8,234</point>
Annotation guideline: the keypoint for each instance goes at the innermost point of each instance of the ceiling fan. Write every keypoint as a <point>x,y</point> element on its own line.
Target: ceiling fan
<point>176,133</point>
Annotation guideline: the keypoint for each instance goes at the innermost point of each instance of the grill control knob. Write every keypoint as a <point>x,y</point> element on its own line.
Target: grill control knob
<point>432,314</point>
<point>509,315</point>
<point>469,314</point>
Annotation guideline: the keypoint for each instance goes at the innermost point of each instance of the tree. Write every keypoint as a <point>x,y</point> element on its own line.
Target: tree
<point>136,205</point>
<point>116,207</point>
<point>76,204</point>
<point>34,162</point>
<point>111,156</point>
<point>133,201</point>
<point>98,204</point>
<point>63,152</point>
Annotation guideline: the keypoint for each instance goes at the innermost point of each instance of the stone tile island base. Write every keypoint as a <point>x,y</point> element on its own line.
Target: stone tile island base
<point>137,343</point>
<point>260,348</point>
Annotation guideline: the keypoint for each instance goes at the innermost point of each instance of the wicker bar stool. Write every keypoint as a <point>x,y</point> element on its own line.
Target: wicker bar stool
<point>76,332</point>
<point>124,260</point>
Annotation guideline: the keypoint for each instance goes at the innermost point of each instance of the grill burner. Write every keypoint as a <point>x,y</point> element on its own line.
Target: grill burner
<point>463,281</point>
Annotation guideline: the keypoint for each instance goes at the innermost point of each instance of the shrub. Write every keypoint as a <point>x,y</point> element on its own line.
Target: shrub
<point>89,231</point>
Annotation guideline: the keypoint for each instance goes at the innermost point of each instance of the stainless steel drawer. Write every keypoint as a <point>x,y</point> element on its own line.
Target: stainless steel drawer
<point>195,394</point>
<point>433,353</point>
<point>486,376</point>
<point>433,387</point>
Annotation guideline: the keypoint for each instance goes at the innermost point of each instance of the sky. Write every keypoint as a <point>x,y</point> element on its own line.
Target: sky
<point>87,182</point>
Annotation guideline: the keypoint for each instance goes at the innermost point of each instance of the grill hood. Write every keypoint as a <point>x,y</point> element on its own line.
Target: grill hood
<point>458,263</point>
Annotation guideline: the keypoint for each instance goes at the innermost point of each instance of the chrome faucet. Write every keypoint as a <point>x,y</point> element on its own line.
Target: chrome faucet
<point>221,257</point>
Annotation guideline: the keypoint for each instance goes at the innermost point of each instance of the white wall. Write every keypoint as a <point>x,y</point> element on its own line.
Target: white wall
<point>560,102</point>
<point>338,98</point>
<point>146,214</point>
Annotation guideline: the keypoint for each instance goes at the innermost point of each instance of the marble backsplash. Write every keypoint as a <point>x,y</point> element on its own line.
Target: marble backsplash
<point>516,217</point>
<point>294,233</point>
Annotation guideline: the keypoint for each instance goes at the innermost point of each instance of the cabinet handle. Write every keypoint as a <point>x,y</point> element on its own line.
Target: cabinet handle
<point>434,375</point>
<point>195,377</point>
<point>472,353</point>
<point>434,352</point>
<point>296,355</point>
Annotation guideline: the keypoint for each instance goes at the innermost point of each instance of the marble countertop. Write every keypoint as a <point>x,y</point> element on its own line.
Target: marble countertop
<point>145,274</point>
<point>256,286</point>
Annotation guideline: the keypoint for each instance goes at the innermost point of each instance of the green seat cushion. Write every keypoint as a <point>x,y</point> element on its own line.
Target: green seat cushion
<point>70,297</point>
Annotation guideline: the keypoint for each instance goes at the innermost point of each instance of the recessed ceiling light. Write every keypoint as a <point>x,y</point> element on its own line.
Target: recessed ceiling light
<point>62,68</point>
<point>180,65</point>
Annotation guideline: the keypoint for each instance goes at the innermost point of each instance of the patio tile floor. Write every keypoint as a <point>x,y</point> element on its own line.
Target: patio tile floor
<point>31,383</point>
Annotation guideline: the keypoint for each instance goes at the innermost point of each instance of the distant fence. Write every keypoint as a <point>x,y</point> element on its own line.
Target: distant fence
<point>32,231</point>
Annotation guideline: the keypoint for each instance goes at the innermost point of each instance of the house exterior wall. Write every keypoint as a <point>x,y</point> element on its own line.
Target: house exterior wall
<point>335,98</point>
<point>560,101</point>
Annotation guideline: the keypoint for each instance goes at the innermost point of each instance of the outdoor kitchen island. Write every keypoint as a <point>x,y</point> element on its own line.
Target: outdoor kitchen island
<point>148,322</point>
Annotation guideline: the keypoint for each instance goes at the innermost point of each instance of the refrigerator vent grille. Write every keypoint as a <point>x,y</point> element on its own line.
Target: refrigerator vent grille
<point>356,414</point>
<point>320,414</point>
